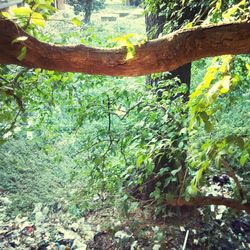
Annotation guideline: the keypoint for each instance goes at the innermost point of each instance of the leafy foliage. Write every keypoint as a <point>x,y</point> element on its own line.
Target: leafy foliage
<point>90,140</point>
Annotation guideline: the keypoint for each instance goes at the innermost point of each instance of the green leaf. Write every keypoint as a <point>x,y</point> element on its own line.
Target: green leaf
<point>37,19</point>
<point>209,126</point>
<point>174,172</point>
<point>244,157</point>
<point>5,14</point>
<point>204,116</point>
<point>22,11</point>
<point>233,139</point>
<point>231,11</point>
<point>163,171</point>
<point>98,160</point>
<point>191,190</point>
<point>218,4</point>
<point>139,161</point>
<point>22,53</point>
<point>76,21</point>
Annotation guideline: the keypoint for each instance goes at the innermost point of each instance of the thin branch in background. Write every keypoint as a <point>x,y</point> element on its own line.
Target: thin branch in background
<point>10,92</point>
<point>131,108</point>
<point>109,131</point>
<point>123,153</point>
<point>13,123</point>
<point>19,74</point>
<point>232,174</point>
<point>28,22</point>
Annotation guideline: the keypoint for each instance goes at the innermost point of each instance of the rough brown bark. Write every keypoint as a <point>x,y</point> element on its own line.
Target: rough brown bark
<point>159,55</point>
<point>209,200</point>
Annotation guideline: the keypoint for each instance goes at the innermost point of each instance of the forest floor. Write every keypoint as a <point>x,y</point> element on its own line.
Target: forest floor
<point>53,228</point>
<point>110,227</point>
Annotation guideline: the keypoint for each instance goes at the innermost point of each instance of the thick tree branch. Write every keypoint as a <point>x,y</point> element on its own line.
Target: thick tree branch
<point>164,54</point>
<point>209,200</point>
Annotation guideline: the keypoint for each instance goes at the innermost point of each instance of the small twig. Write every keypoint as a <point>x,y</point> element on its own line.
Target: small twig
<point>28,22</point>
<point>131,108</point>
<point>19,74</point>
<point>10,92</point>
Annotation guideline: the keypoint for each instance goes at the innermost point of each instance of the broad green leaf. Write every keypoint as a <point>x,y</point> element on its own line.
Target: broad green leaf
<point>204,116</point>
<point>209,126</point>
<point>5,14</point>
<point>22,11</point>
<point>44,6</point>
<point>188,25</point>
<point>76,21</point>
<point>225,83</point>
<point>225,63</point>
<point>37,19</point>
<point>139,161</point>
<point>130,54</point>
<point>233,139</point>
<point>248,68</point>
<point>22,53</point>
<point>218,4</point>
<point>174,172</point>
<point>244,157</point>
<point>231,11</point>
<point>163,171</point>
<point>98,160</point>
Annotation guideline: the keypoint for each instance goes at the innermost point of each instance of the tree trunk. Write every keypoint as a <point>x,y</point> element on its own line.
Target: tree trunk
<point>154,26</point>
<point>88,11</point>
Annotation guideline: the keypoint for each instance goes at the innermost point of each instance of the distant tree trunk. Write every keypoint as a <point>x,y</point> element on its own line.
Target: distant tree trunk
<point>154,27</point>
<point>132,2</point>
<point>136,2</point>
<point>127,2</point>
<point>87,10</point>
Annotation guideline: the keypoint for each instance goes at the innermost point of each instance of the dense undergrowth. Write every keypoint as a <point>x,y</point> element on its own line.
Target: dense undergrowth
<point>84,142</point>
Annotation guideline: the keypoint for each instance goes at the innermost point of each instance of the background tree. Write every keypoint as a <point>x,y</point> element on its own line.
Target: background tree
<point>163,17</point>
<point>87,7</point>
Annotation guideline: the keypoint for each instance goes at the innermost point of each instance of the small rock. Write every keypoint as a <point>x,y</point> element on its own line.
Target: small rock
<point>156,247</point>
<point>134,245</point>
<point>122,235</point>
<point>39,217</point>
<point>79,245</point>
